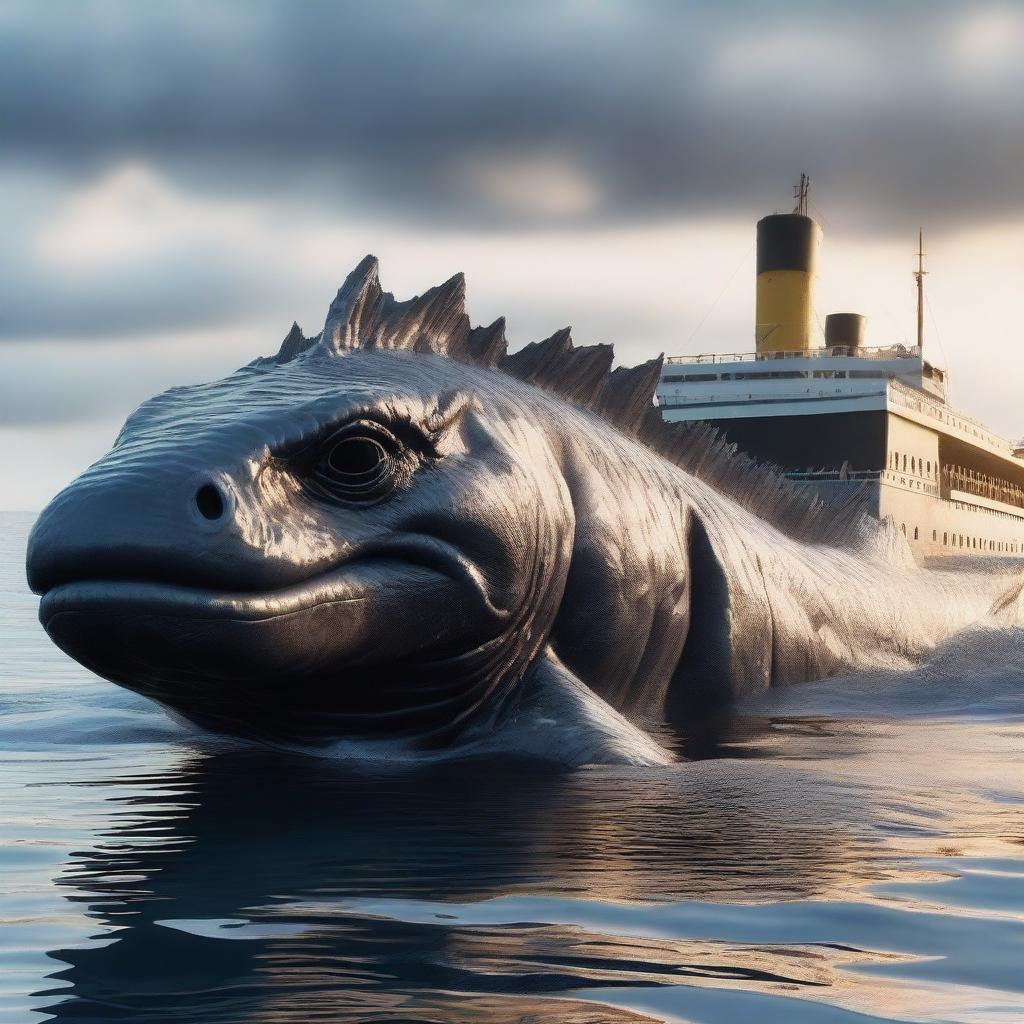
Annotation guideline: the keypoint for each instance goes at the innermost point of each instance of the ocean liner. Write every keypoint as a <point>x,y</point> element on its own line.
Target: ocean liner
<point>844,415</point>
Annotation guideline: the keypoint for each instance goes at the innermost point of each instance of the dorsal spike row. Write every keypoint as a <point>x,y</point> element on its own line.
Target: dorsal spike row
<point>364,317</point>
<point>533,362</point>
<point>295,343</point>
<point>578,375</point>
<point>627,399</point>
<point>355,308</point>
<point>583,374</point>
<point>435,321</point>
<point>487,346</point>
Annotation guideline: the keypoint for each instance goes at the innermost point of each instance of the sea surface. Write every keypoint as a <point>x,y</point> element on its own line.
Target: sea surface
<point>842,852</point>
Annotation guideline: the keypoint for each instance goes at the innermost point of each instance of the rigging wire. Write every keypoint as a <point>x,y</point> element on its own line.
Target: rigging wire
<point>938,338</point>
<point>720,296</point>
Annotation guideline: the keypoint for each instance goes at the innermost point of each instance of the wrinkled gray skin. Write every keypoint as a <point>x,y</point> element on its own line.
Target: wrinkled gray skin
<point>513,573</point>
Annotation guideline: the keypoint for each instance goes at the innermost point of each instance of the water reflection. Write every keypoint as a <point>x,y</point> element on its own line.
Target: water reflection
<point>256,885</point>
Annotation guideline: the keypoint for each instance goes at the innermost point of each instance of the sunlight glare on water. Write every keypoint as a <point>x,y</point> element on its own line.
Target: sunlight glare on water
<point>846,853</point>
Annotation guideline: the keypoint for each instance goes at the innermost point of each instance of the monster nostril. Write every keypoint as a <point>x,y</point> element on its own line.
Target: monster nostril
<point>209,502</point>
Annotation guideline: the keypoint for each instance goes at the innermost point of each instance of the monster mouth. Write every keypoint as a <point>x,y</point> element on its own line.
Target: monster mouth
<point>408,565</point>
<point>360,649</point>
<point>174,642</point>
<point>138,597</point>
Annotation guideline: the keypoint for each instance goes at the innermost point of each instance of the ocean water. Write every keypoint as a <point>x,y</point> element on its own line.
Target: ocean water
<point>842,852</point>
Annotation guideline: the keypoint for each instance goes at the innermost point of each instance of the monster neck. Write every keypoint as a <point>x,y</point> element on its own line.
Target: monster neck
<point>646,598</point>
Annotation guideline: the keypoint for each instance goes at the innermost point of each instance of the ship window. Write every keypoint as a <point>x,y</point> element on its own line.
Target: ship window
<point>945,538</point>
<point>935,535</point>
<point>903,527</point>
<point>773,375</point>
<point>913,464</point>
<point>904,463</point>
<point>916,534</point>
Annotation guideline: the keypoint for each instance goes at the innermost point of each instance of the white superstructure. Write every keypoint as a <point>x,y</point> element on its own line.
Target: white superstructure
<point>846,415</point>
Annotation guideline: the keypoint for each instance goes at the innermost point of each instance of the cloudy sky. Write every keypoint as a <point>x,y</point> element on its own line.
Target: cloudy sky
<point>179,181</point>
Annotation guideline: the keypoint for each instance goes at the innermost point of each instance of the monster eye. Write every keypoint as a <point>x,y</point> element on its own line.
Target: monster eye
<point>362,462</point>
<point>354,458</point>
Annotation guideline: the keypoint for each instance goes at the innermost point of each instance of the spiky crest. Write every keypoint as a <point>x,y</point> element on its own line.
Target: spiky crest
<point>294,343</point>
<point>364,317</point>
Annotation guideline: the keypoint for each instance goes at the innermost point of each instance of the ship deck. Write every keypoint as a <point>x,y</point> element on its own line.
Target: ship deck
<point>875,419</point>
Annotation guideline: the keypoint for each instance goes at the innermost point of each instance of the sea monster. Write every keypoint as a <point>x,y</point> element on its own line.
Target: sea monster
<point>398,540</point>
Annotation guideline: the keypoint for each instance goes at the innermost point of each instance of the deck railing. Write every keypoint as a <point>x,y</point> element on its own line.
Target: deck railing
<point>836,474</point>
<point>907,481</point>
<point>917,401</point>
<point>957,478</point>
<point>835,352</point>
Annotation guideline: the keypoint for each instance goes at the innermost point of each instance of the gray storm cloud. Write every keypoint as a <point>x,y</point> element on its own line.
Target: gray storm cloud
<point>419,108</point>
<point>483,117</point>
<point>195,174</point>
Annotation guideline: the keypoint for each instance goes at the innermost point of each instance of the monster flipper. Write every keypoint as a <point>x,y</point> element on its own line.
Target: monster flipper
<point>558,718</point>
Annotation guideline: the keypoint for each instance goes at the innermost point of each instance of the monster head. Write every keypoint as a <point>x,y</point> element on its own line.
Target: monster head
<point>367,534</point>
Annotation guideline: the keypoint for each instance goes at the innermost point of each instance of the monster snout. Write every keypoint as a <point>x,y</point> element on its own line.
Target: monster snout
<point>134,525</point>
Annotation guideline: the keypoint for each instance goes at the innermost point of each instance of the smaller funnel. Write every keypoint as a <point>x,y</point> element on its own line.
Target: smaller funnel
<point>844,329</point>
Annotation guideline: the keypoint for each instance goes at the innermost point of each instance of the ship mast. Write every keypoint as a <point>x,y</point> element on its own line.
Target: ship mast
<point>919,277</point>
<point>800,195</point>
